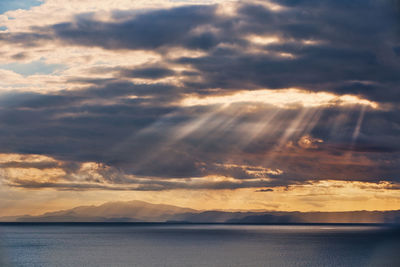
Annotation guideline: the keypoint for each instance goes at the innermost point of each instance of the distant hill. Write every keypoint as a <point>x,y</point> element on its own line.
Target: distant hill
<point>130,211</point>
<point>140,211</point>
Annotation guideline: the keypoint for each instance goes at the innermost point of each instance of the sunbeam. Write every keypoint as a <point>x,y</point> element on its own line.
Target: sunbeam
<point>357,129</point>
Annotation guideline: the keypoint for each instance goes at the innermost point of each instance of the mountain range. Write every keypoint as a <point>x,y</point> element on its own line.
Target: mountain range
<point>140,211</point>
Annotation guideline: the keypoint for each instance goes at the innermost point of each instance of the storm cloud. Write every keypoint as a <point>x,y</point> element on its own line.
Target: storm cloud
<point>142,129</point>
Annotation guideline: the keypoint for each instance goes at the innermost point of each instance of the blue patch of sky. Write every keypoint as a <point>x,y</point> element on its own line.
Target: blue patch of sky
<point>34,67</point>
<point>7,5</point>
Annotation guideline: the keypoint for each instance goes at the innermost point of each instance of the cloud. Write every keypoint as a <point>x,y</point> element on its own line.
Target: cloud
<point>147,73</point>
<point>151,30</point>
<point>285,98</point>
<point>202,97</point>
<point>104,124</point>
<point>265,190</point>
<point>342,58</point>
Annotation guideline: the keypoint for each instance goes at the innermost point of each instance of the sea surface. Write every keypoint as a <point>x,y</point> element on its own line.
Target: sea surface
<point>198,245</point>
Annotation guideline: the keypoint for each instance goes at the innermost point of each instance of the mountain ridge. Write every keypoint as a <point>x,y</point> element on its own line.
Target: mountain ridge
<point>141,211</point>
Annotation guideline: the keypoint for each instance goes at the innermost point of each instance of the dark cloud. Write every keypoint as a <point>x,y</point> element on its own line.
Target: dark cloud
<point>114,180</point>
<point>26,39</point>
<point>142,130</point>
<point>151,30</point>
<point>152,141</point>
<point>20,56</point>
<point>350,54</point>
<point>265,190</point>
<point>147,73</point>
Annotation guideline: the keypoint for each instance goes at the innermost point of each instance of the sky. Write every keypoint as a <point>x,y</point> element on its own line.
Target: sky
<point>217,104</point>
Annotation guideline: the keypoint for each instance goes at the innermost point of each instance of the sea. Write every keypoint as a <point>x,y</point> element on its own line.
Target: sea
<point>112,244</point>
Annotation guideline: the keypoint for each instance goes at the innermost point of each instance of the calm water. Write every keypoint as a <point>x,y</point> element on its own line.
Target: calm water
<point>198,245</point>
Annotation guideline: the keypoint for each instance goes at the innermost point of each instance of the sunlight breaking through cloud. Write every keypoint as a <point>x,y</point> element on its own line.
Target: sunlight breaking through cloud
<point>226,96</point>
<point>283,98</point>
